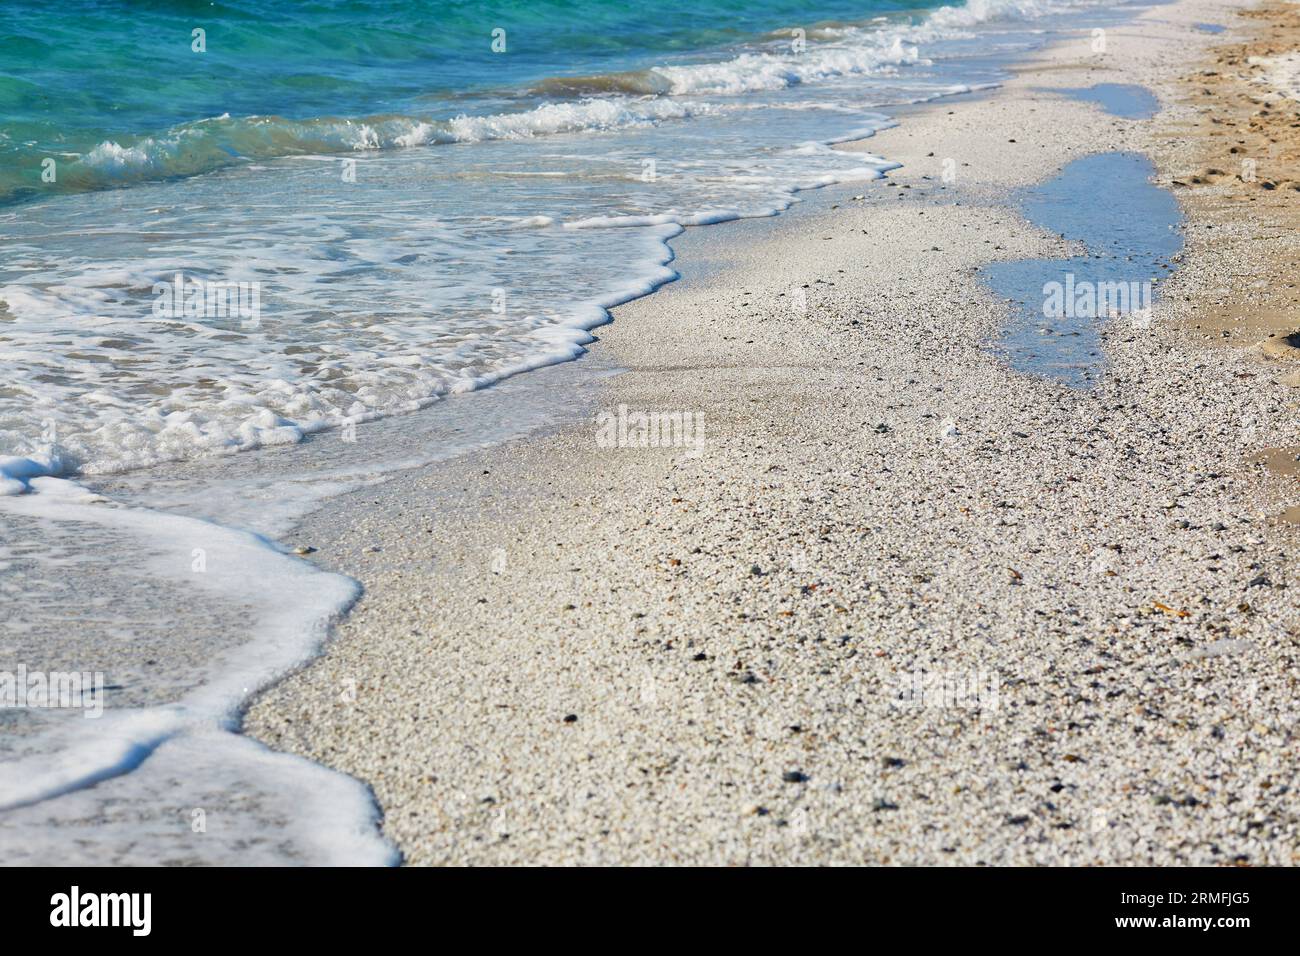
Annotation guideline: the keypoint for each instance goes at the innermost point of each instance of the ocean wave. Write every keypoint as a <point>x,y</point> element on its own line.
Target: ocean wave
<point>217,143</point>
<point>635,82</point>
<point>578,103</point>
<point>835,50</point>
<point>755,72</point>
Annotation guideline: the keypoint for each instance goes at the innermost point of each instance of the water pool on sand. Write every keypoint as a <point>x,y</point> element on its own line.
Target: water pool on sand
<point>1130,228</point>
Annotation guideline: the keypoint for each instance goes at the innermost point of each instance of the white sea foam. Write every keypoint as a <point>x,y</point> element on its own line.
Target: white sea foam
<point>286,606</point>
<point>853,52</point>
<point>223,141</point>
<point>368,307</point>
<point>752,72</point>
<point>16,473</point>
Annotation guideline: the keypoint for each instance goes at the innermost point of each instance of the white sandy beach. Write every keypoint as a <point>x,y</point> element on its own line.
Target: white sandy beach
<point>571,653</point>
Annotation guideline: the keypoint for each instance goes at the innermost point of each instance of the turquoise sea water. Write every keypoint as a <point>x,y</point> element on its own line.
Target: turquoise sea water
<point>408,200</point>
<point>80,74</point>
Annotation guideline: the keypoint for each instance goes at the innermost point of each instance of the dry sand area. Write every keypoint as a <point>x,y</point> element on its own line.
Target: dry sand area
<point>1232,151</point>
<point>906,605</point>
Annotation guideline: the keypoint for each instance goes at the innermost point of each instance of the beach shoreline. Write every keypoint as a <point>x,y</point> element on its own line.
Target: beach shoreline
<point>572,649</point>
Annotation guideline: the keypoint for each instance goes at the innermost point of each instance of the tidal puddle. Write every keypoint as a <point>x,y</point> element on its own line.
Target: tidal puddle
<point>1126,100</point>
<point>1130,228</point>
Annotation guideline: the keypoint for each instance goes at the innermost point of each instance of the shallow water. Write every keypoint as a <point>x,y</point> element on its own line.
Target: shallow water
<point>187,619</point>
<point>1126,100</point>
<point>1131,230</point>
<point>387,256</point>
